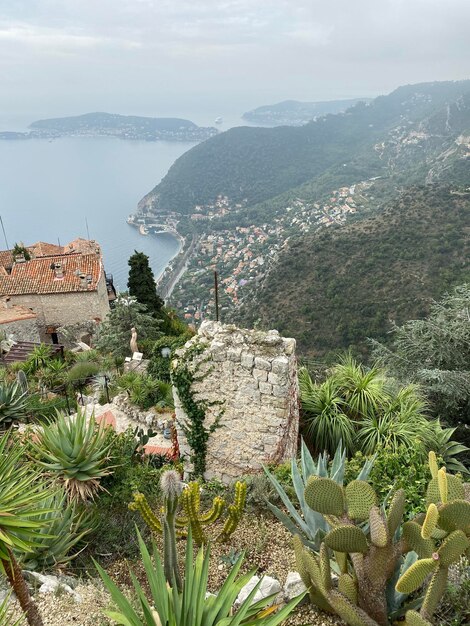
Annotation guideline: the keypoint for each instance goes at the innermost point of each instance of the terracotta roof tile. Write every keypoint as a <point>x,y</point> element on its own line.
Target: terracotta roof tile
<point>37,276</point>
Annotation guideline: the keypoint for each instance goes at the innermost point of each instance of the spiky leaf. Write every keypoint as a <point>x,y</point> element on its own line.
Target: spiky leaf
<point>325,496</point>
<point>415,575</point>
<point>360,498</point>
<point>347,539</point>
<point>452,548</point>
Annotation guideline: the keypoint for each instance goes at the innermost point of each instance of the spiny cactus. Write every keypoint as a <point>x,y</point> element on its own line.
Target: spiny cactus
<point>368,557</point>
<point>190,501</point>
<point>171,488</point>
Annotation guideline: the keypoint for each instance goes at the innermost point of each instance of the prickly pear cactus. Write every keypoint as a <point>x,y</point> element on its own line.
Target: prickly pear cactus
<point>369,555</point>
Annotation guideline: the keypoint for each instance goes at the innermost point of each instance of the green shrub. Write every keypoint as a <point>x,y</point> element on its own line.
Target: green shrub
<point>159,365</point>
<point>455,606</point>
<point>82,372</point>
<point>146,391</point>
<point>395,469</point>
<point>47,409</point>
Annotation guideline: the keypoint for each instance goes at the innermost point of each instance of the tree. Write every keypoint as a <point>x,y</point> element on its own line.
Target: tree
<point>435,352</point>
<point>142,285</point>
<point>114,333</point>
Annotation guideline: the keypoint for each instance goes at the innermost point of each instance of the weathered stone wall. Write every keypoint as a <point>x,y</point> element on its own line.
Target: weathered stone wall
<point>249,379</point>
<point>21,330</point>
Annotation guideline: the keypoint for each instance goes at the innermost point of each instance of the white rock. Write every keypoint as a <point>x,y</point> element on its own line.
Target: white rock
<point>51,584</point>
<point>267,587</point>
<point>293,586</point>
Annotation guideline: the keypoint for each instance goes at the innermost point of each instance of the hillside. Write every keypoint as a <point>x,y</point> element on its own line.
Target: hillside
<point>295,113</point>
<point>335,287</point>
<point>394,135</point>
<point>121,126</point>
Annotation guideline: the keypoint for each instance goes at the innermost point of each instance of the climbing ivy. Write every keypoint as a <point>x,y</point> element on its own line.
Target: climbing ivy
<point>183,374</point>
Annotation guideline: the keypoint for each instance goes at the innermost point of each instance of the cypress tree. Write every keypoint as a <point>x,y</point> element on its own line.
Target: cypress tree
<point>141,284</point>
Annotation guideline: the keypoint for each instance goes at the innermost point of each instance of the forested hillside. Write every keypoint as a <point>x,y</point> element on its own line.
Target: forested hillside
<point>333,288</point>
<point>393,135</point>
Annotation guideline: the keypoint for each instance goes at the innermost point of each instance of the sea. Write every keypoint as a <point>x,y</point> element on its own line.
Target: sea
<point>71,187</point>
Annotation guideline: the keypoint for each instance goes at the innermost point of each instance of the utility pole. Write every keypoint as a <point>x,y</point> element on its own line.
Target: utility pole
<point>216,288</point>
<point>4,234</point>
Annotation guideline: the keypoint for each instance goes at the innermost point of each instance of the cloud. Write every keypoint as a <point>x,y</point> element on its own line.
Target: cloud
<point>240,51</point>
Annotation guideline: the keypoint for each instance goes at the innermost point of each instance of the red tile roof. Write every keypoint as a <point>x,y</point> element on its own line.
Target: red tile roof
<point>37,276</point>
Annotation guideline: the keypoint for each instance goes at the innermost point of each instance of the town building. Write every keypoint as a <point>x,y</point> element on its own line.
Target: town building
<point>62,286</point>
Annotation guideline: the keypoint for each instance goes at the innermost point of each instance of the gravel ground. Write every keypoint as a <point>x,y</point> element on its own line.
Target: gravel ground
<point>268,548</point>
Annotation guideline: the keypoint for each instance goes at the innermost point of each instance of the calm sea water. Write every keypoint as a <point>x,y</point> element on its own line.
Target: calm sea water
<point>48,190</point>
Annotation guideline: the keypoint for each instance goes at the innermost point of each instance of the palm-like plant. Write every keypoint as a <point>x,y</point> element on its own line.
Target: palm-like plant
<point>63,528</point>
<point>192,606</point>
<point>13,404</point>
<point>38,358</point>
<point>22,497</point>
<point>74,450</point>
<point>326,422</point>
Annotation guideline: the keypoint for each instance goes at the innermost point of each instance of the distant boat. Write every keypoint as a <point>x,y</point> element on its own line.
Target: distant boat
<point>143,229</point>
<point>219,120</point>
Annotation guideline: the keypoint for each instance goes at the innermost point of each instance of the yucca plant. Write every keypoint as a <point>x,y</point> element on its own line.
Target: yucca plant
<point>64,527</point>
<point>309,525</point>
<point>22,499</point>
<point>13,404</point>
<point>193,606</point>
<point>75,451</point>
<point>6,618</point>
<point>38,358</point>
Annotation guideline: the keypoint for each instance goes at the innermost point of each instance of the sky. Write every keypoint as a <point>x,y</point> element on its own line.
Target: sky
<point>172,57</point>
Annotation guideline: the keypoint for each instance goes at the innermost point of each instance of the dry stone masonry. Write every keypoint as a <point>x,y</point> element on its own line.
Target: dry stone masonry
<point>248,380</point>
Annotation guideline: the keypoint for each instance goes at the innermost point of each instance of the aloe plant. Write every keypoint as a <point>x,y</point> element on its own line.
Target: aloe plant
<point>308,524</point>
<point>193,606</point>
<point>75,451</point>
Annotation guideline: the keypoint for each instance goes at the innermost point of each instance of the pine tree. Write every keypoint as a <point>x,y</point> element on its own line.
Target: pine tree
<point>141,284</point>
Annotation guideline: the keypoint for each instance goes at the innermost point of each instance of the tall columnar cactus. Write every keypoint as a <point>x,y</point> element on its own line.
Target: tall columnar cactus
<point>369,543</point>
<point>171,488</point>
<point>193,518</point>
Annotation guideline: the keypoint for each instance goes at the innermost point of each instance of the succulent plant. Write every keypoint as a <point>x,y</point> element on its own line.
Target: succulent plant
<point>192,517</point>
<point>63,529</point>
<point>368,556</point>
<point>13,404</point>
<point>75,451</point>
<point>192,606</point>
<point>307,523</point>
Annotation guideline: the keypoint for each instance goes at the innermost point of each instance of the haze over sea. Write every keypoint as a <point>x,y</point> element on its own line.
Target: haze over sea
<point>47,189</point>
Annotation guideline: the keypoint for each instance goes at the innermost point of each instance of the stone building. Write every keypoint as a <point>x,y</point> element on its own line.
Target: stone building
<point>64,286</point>
<point>247,380</point>
<point>18,323</point>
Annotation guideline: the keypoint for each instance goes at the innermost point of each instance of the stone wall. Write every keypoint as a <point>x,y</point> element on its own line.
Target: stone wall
<point>21,330</point>
<point>248,379</point>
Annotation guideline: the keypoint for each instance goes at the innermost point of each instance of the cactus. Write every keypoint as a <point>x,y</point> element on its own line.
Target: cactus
<point>171,488</point>
<point>190,501</point>
<point>371,557</point>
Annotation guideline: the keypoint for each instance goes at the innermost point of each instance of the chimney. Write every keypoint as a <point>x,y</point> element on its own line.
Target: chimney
<point>20,258</point>
<point>58,270</point>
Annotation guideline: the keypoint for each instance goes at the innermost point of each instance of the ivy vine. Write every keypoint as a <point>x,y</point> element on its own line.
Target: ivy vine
<point>183,374</point>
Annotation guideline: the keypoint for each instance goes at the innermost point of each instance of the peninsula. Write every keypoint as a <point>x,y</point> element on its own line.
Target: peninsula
<point>114,125</point>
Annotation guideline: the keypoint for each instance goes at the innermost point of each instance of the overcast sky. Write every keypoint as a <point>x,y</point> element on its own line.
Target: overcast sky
<point>172,56</point>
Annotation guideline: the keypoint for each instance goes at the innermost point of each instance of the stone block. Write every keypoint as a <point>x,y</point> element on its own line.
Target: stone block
<point>218,351</point>
<point>265,388</point>
<point>247,360</point>
<point>289,346</point>
<point>294,586</point>
<point>279,390</point>
<point>260,374</point>
<point>262,364</point>
<point>234,354</point>
<point>268,587</point>
<point>277,379</point>
<point>280,365</point>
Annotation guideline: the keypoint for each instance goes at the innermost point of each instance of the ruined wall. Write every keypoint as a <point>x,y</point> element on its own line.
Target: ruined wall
<point>249,379</point>
<point>21,330</point>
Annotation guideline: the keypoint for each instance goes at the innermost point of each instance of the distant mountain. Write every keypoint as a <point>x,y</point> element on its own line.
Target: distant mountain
<point>114,125</point>
<point>402,136</point>
<point>333,288</point>
<point>295,113</point>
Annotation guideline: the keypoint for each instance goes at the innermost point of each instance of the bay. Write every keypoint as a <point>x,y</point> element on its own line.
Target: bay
<point>48,190</point>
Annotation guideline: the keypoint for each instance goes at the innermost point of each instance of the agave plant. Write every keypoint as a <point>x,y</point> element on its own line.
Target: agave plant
<point>22,499</point>
<point>74,450</point>
<point>63,529</point>
<point>193,606</point>
<point>38,358</point>
<point>13,404</point>
<point>309,525</point>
